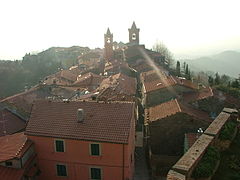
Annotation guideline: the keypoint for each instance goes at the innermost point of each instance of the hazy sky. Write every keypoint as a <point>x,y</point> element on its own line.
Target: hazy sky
<point>187,27</point>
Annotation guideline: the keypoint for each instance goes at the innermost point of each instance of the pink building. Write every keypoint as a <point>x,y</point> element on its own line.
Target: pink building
<point>83,140</point>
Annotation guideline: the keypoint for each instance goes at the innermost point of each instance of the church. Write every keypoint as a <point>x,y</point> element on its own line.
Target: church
<point>120,55</point>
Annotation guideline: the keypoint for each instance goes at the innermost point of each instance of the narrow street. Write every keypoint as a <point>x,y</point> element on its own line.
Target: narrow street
<point>141,168</point>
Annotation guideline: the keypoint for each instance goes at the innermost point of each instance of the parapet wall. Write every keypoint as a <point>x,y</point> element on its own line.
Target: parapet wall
<point>183,169</point>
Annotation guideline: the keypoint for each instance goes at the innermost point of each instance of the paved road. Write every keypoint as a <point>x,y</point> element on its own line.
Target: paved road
<point>141,168</point>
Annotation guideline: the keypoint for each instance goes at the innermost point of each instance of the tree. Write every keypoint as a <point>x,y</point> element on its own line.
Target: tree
<point>178,69</point>
<point>224,79</point>
<point>217,79</point>
<point>235,84</point>
<point>162,49</point>
<point>210,80</point>
<point>186,70</point>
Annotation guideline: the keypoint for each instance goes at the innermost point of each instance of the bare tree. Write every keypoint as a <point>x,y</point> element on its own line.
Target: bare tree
<point>162,49</point>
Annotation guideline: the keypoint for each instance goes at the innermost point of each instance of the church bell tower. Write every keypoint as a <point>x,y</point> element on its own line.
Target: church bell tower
<point>134,34</point>
<point>108,46</point>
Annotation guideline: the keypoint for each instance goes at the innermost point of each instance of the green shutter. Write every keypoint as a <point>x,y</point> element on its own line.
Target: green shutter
<point>61,170</point>
<point>96,173</point>
<point>95,150</point>
<point>59,146</point>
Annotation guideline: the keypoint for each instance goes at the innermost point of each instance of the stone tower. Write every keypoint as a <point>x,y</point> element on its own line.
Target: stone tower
<point>134,34</point>
<point>108,46</point>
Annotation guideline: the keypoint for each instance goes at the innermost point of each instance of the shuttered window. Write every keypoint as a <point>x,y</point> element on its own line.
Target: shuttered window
<point>61,170</point>
<point>59,145</point>
<point>96,174</point>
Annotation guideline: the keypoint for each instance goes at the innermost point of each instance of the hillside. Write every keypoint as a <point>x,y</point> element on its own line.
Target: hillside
<point>227,62</point>
<point>17,75</point>
<point>66,56</point>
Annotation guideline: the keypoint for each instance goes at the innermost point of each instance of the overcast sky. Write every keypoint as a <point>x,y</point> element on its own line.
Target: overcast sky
<point>187,27</point>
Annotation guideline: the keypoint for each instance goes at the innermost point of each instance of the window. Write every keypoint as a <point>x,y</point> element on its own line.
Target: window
<point>8,163</point>
<point>96,174</point>
<point>59,146</point>
<point>61,170</point>
<point>95,149</point>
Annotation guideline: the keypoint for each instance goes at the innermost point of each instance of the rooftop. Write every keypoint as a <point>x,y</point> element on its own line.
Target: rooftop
<point>10,123</point>
<point>13,146</point>
<point>119,84</point>
<point>172,107</point>
<point>163,110</point>
<point>106,122</point>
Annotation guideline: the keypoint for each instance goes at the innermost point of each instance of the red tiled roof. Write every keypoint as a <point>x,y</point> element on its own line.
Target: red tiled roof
<point>7,173</point>
<point>10,123</point>
<point>172,107</point>
<point>88,79</point>
<point>13,146</point>
<point>102,121</point>
<point>66,74</point>
<point>198,95</point>
<point>163,110</point>
<point>153,81</point>
<point>119,84</point>
<point>185,82</point>
<point>191,138</point>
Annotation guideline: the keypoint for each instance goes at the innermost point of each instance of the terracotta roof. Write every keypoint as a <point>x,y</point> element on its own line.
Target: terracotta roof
<point>163,110</point>
<point>172,107</point>
<point>185,82</point>
<point>198,95</point>
<point>7,173</point>
<point>191,138</point>
<point>75,70</point>
<point>102,121</point>
<point>153,81</point>
<point>119,84</point>
<point>10,123</point>
<point>66,74</point>
<point>88,79</point>
<point>13,146</point>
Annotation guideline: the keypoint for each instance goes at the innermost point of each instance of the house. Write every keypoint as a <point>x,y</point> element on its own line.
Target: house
<point>63,77</point>
<point>17,158</point>
<point>118,87</point>
<point>115,67</point>
<point>165,127</point>
<point>159,86</point>
<point>10,123</point>
<point>83,140</point>
<point>89,81</point>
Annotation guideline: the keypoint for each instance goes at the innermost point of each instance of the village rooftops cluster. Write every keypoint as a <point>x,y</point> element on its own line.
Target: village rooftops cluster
<point>106,122</point>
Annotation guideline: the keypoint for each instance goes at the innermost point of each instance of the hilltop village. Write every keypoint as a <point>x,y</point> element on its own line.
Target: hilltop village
<point>121,113</point>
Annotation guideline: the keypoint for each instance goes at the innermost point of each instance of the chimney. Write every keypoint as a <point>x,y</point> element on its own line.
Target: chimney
<point>80,115</point>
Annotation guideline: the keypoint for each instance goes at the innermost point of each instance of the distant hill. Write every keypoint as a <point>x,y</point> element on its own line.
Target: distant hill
<point>227,62</point>
<point>17,75</point>
<point>67,56</point>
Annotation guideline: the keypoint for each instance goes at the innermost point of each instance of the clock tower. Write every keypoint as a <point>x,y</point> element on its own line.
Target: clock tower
<point>108,46</point>
<point>134,34</point>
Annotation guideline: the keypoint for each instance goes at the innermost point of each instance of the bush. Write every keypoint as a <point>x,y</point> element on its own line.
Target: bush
<point>207,164</point>
<point>228,130</point>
